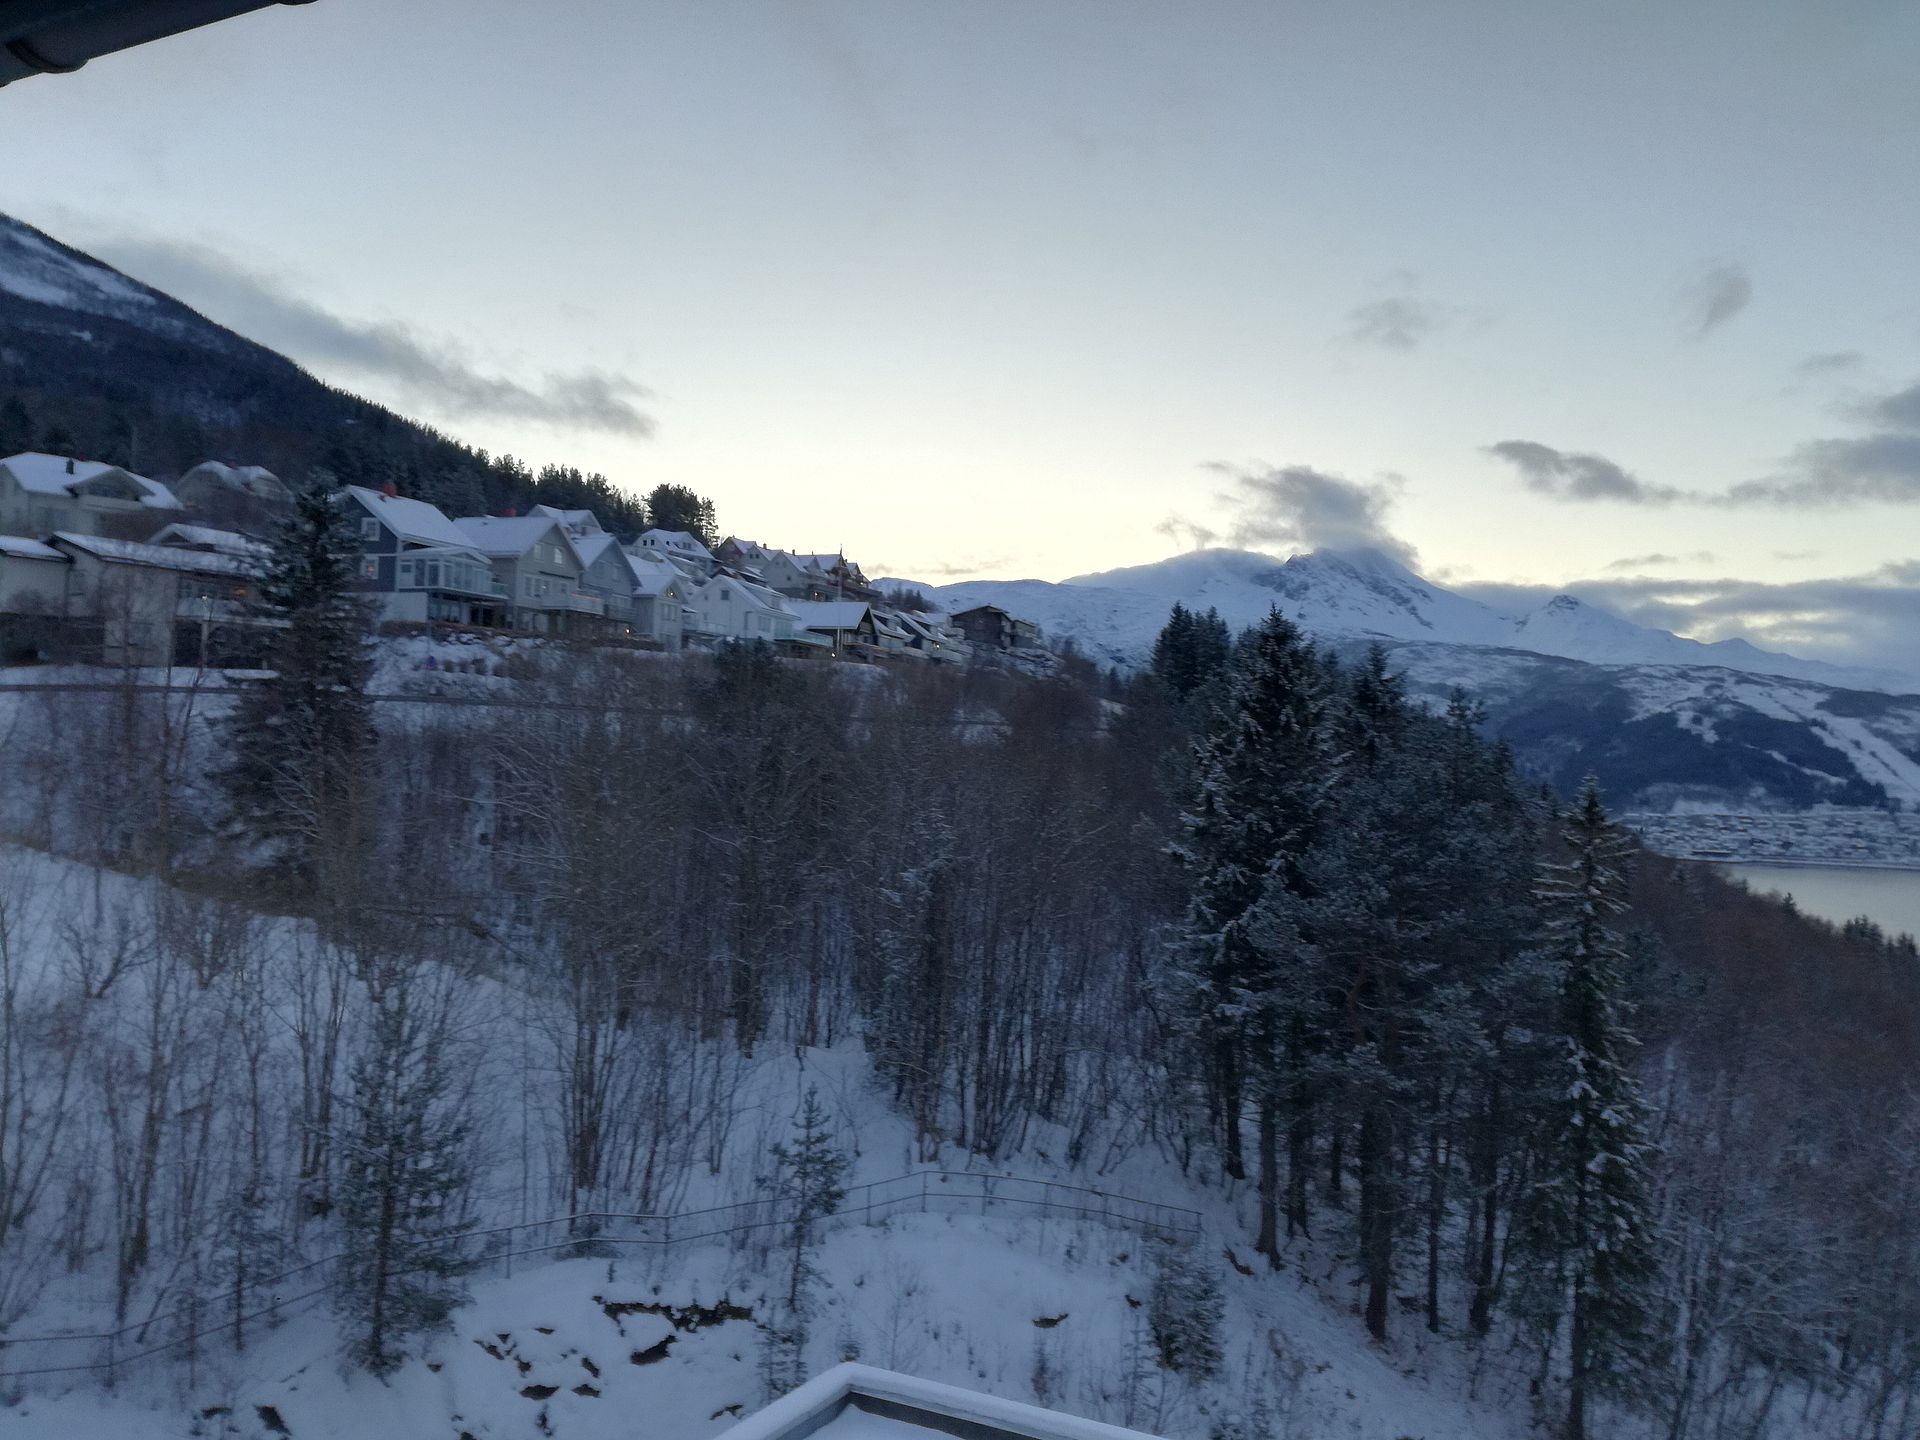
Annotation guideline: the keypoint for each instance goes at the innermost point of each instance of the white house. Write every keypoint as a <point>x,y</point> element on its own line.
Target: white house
<point>859,1402</point>
<point>40,494</point>
<point>660,594</point>
<point>729,608</point>
<point>686,551</point>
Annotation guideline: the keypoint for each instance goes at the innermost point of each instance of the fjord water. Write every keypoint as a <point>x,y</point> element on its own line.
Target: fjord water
<point>1890,898</point>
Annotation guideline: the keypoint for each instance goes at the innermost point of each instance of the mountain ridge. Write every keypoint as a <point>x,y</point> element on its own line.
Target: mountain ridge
<point>1115,614</point>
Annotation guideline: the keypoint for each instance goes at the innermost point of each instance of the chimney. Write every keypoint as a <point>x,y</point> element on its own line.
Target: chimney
<point>69,467</point>
<point>512,512</point>
<point>390,490</point>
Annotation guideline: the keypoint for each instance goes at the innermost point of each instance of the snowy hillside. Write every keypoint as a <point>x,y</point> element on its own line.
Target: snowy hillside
<point>1114,615</point>
<point>1031,1302</point>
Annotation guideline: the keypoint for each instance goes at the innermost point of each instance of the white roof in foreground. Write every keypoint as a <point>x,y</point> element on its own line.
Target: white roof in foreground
<point>858,1402</point>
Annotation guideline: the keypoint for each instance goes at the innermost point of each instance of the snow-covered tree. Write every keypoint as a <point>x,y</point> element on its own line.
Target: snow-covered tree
<point>807,1185</point>
<point>1185,1311</point>
<point>406,1167</point>
<point>1588,1220</point>
<point>300,739</point>
<point>1262,772</point>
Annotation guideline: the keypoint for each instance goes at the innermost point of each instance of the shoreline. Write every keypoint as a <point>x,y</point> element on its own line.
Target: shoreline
<point>1907,867</point>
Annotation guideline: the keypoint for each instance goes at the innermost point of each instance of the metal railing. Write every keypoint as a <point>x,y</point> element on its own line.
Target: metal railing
<point>188,1327</point>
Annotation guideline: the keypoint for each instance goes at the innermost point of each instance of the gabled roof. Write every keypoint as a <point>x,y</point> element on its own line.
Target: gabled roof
<point>678,541</point>
<point>829,614</point>
<point>584,521</point>
<point>43,474</point>
<point>243,479</point>
<point>592,545</point>
<point>852,1401</point>
<point>205,537</point>
<point>760,595</point>
<point>414,521</point>
<point>157,557</point>
<point>510,536</point>
<point>653,572</point>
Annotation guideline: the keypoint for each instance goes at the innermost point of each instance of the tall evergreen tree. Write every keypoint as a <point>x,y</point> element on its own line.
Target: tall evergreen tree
<point>1589,1217</point>
<point>675,507</point>
<point>1263,771</point>
<point>406,1173</point>
<point>302,737</point>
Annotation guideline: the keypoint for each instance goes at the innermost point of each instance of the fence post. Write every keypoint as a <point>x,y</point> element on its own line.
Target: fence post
<point>923,1192</point>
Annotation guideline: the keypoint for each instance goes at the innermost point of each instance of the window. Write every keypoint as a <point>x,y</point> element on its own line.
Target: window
<point>369,568</point>
<point>369,529</point>
<point>526,584</point>
<point>405,570</point>
<point>433,572</point>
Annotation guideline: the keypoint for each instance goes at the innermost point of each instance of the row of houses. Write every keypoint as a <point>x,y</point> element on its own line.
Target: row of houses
<point>557,572</point>
<point>80,550</point>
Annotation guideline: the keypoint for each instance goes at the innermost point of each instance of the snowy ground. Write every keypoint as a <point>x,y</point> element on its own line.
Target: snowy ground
<point>647,1343</point>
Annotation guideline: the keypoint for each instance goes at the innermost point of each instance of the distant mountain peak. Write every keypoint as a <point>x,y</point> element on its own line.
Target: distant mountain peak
<point>1368,594</point>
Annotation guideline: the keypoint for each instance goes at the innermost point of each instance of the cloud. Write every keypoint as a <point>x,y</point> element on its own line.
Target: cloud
<point>1898,411</point>
<point>1830,362</point>
<point>1399,322</point>
<point>1299,508</point>
<point>1403,319</point>
<point>1715,296</point>
<point>1188,534</point>
<point>1649,562</point>
<point>1865,619</point>
<point>421,371</point>
<point>940,569</point>
<point>1569,475</point>
<point>1829,474</point>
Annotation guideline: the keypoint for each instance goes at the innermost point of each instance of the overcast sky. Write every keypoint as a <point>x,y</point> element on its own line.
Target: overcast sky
<point>1531,293</point>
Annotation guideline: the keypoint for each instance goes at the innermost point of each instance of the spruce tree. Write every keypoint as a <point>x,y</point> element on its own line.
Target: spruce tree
<point>1589,1215</point>
<point>405,1175</point>
<point>1262,773</point>
<point>301,738</point>
<point>807,1185</point>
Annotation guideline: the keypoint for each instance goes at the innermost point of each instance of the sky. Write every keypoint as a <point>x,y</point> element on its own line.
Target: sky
<point>1621,298</point>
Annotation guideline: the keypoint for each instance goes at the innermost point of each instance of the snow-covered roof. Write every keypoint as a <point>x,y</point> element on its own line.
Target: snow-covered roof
<point>414,521</point>
<point>507,534</point>
<point>21,548</point>
<point>829,614</point>
<point>859,1402</point>
<point>158,557</point>
<point>590,546</point>
<point>206,537</point>
<point>678,541</point>
<point>652,573</point>
<point>582,520</point>
<point>43,474</point>
<point>244,479</point>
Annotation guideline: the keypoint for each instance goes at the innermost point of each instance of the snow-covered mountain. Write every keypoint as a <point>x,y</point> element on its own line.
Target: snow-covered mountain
<point>1114,615</point>
<point>1664,721</point>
